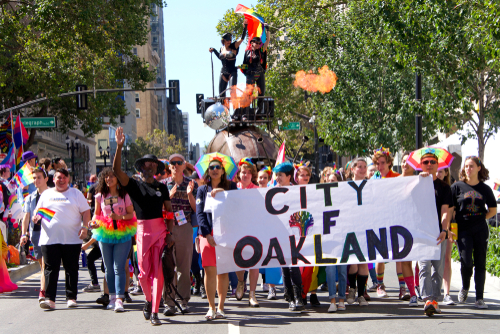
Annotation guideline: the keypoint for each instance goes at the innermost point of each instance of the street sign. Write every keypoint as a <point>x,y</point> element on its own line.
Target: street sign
<point>39,122</point>
<point>291,126</point>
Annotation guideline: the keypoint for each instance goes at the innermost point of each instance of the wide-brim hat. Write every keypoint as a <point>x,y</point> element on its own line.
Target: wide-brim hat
<point>28,155</point>
<point>227,36</point>
<point>149,157</point>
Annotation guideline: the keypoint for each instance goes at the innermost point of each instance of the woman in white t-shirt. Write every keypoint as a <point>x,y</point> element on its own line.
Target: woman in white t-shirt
<point>60,211</point>
<point>115,226</point>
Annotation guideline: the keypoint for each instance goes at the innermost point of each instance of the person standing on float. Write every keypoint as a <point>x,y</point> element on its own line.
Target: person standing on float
<point>149,198</point>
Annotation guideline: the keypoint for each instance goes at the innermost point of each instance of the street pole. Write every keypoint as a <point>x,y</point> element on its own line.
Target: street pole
<point>316,146</point>
<point>418,118</point>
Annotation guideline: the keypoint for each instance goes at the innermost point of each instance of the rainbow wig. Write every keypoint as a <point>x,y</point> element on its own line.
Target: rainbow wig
<point>283,167</point>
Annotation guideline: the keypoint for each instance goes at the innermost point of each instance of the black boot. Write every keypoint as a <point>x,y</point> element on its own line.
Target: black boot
<point>314,300</point>
<point>197,285</point>
<point>146,311</point>
<point>203,293</point>
<point>299,304</point>
<point>103,300</point>
<point>289,298</point>
<point>154,319</point>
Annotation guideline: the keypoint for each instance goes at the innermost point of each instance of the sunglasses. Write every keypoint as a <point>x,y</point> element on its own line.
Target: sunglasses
<point>179,163</point>
<point>432,162</point>
<point>215,167</point>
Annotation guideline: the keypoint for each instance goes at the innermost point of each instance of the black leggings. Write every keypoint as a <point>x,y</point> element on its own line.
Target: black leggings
<point>472,245</point>
<point>259,77</point>
<point>291,276</point>
<point>223,83</point>
<point>93,255</point>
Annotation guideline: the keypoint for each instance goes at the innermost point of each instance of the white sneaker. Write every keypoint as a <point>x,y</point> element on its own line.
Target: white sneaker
<point>332,308</point>
<point>362,301</point>
<point>119,306</point>
<point>112,301</point>
<point>480,304</point>
<point>413,301</point>
<point>447,300</point>
<point>373,288</point>
<point>72,303</point>
<point>462,296</point>
<point>351,296</point>
<point>341,306</point>
<point>265,287</point>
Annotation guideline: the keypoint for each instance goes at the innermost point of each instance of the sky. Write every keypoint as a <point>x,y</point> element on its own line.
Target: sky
<point>189,32</point>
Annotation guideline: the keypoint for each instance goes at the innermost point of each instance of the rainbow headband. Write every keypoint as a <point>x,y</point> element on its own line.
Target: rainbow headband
<point>382,150</point>
<point>245,161</point>
<point>302,164</point>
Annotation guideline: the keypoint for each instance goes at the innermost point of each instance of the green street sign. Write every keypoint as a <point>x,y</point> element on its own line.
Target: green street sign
<point>39,122</point>
<point>291,126</point>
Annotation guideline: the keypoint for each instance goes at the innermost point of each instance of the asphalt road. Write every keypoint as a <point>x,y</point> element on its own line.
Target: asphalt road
<point>19,312</point>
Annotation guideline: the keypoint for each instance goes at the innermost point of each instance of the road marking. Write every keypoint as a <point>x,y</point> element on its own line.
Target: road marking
<point>233,327</point>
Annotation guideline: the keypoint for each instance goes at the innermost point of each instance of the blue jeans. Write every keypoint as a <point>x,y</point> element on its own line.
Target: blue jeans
<point>331,280</point>
<point>115,257</point>
<point>233,279</point>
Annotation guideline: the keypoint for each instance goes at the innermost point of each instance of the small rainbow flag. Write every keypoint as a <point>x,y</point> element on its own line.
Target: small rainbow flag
<point>89,184</point>
<point>25,193</point>
<point>46,214</point>
<point>12,200</point>
<point>496,187</point>
<point>24,176</point>
<point>255,24</point>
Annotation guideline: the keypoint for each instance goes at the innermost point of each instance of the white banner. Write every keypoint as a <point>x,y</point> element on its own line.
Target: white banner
<point>323,224</point>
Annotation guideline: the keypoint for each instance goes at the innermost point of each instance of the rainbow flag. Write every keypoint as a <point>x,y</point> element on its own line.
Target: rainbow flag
<point>25,193</point>
<point>255,24</point>
<point>496,186</point>
<point>12,200</point>
<point>20,133</point>
<point>46,214</point>
<point>6,134</point>
<point>89,184</point>
<point>19,163</point>
<point>24,176</point>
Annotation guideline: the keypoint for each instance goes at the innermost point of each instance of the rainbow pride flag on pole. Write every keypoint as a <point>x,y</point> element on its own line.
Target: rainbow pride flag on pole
<point>24,176</point>
<point>46,214</point>
<point>255,24</point>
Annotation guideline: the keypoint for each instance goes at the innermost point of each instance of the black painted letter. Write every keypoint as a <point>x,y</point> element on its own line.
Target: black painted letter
<point>295,250</point>
<point>269,200</point>
<point>374,243</point>
<point>318,252</point>
<point>257,252</point>
<point>408,242</point>
<point>327,220</point>
<point>358,189</point>
<point>274,244</point>
<point>351,241</point>
<point>327,189</point>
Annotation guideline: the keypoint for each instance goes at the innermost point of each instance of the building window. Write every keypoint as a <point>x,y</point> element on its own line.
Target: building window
<point>122,119</point>
<point>155,50</point>
<point>158,80</point>
<point>155,40</point>
<point>103,143</point>
<point>137,99</point>
<point>137,113</point>
<point>134,51</point>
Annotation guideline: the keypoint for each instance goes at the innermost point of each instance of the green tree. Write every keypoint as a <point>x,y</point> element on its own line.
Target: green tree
<point>373,102</point>
<point>456,46</point>
<point>159,143</point>
<point>49,46</point>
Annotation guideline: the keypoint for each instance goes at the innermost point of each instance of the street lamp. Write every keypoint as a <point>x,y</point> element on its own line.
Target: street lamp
<point>104,154</point>
<point>74,147</point>
<point>280,121</point>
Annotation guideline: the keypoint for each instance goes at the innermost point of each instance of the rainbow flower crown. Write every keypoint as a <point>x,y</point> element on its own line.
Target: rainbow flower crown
<point>219,159</point>
<point>382,150</point>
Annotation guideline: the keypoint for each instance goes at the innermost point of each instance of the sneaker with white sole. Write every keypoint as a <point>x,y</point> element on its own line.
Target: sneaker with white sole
<point>112,302</point>
<point>332,308</point>
<point>436,307</point>
<point>462,296</point>
<point>119,306</point>
<point>72,303</point>
<point>92,288</point>
<point>362,301</point>
<point>447,300</point>
<point>351,296</point>
<point>341,306</point>
<point>272,293</point>
<point>413,301</point>
<point>480,304</point>
<point>47,304</point>
<point>373,288</point>
<point>265,287</point>
<point>381,291</point>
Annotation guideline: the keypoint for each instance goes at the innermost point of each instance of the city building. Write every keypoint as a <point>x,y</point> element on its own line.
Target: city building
<point>175,122</point>
<point>158,45</point>
<point>194,153</point>
<point>185,128</point>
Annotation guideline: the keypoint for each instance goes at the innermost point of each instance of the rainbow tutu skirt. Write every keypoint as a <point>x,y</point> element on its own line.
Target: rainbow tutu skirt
<point>106,232</point>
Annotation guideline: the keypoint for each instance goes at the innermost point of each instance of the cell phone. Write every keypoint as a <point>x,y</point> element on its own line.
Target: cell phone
<point>111,200</point>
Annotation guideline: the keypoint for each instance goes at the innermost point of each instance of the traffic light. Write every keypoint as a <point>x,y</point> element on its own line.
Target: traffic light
<point>81,99</point>
<point>174,94</point>
<point>199,97</point>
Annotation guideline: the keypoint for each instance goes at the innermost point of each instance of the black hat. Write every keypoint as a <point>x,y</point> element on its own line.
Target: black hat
<point>256,39</point>
<point>227,36</point>
<point>149,157</point>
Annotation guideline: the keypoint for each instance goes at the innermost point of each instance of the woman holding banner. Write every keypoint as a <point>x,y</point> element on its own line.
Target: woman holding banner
<point>358,273</point>
<point>215,181</point>
<point>247,172</point>
<point>291,275</point>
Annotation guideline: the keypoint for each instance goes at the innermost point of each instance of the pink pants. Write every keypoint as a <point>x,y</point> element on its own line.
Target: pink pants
<point>151,235</point>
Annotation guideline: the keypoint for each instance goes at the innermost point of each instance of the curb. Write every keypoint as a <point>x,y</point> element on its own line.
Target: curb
<point>21,272</point>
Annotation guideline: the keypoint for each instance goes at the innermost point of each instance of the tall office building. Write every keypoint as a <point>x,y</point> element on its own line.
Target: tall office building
<point>158,45</point>
<point>185,127</point>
